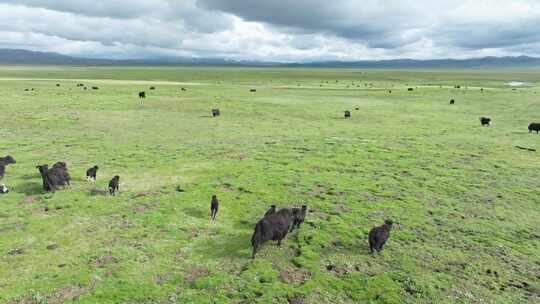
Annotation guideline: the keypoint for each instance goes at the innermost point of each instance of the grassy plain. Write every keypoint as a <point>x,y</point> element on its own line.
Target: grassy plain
<point>468,201</point>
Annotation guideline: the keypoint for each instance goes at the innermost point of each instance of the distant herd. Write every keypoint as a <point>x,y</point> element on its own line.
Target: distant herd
<point>273,226</point>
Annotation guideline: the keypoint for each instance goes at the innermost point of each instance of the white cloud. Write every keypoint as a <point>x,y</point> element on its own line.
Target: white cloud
<point>285,30</point>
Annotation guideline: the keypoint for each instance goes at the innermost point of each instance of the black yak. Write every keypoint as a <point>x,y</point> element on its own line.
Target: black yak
<point>60,169</point>
<point>299,215</point>
<point>215,112</point>
<point>142,94</point>
<point>95,88</point>
<point>214,205</point>
<point>4,162</point>
<point>272,210</point>
<point>91,173</point>
<point>253,90</point>
<point>485,121</point>
<point>272,227</point>
<point>410,89</point>
<point>347,114</point>
<point>114,185</point>
<point>152,88</point>
<point>534,126</point>
<point>452,101</point>
<point>379,235</point>
<point>54,177</point>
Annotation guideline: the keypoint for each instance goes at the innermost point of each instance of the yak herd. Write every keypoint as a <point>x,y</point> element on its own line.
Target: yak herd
<point>273,226</point>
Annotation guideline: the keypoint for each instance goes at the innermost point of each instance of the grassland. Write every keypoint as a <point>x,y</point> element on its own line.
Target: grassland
<point>468,201</point>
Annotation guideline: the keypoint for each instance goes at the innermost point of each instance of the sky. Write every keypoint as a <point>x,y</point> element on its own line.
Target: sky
<point>274,30</point>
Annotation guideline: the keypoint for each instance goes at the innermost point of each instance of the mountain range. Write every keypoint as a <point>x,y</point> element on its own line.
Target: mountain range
<point>26,57</point>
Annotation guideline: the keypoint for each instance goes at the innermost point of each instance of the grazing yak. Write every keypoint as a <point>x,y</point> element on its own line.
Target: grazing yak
<point>183,89</point>
<point>60,168</point>
<point>55,177</point>
<point>379,235</point>
<point>215,112</point>
<point>272,210</point>
<point>273,227</point>
<point>114,185</point>
<point>91,173</point>
<point>253,90</point>
<point>142,94</point>
<point>452,101</point>
<point>485,121</point>
<point>152,88</point>
<point>214,205</point>
<point>534,126</point>
<point>95,88</point>
<point>299,215</point>
<point>347,114</point>
<point>48,184</point>
<point>410,89</point>
<point>4,162</point>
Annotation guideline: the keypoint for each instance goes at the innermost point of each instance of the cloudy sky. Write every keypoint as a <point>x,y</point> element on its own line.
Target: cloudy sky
<point>274,30</point>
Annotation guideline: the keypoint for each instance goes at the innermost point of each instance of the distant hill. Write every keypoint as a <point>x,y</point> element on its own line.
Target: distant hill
<point>25,57</point>
<point>485,62</point>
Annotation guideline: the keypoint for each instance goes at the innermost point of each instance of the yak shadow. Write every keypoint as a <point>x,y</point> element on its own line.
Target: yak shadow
<point>206,116</point>
<point>232,246</point>
<point>30,188</point>
<point>197,212</point>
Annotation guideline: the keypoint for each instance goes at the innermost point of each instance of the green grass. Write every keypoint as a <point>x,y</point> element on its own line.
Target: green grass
<point>468,201</point>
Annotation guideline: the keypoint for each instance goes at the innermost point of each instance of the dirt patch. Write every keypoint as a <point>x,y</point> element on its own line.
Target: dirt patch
<point>69,293</point>
<point>296,300</point>
<point>317,191</point>
<point>163,278</point>
<point>32,199</point>
<point>226,187</point>
<point>145,207</point>
<point>195,273</point>
<point>337,270</point>
<point>295,276</point>
<point>143,194</point>
<point>62,295</point>
<point>102,261</point>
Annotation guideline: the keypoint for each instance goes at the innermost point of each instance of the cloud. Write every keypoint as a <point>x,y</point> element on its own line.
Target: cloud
<point>284,30</point>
